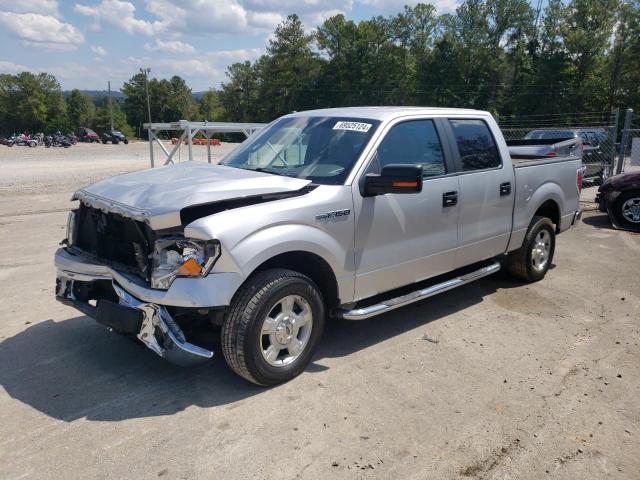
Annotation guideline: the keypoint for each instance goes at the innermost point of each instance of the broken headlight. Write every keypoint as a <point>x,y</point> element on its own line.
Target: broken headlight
<point>71,228</point>
<point>182,257</point>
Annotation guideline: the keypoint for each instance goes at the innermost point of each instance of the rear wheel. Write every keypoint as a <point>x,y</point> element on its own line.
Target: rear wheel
<point>273,326</point>
<point>533,259</point>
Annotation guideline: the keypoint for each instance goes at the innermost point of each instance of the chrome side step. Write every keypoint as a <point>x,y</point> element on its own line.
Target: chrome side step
<point>393,303</point>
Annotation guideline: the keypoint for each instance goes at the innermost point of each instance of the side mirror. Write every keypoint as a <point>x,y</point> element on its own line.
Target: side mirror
<point>394,179</point>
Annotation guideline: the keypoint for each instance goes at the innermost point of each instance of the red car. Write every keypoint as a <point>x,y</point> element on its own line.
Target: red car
<point>619,196</point>
<point>88,135</point>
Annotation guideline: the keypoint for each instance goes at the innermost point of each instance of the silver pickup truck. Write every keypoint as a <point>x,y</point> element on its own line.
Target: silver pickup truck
<point>348,212</point>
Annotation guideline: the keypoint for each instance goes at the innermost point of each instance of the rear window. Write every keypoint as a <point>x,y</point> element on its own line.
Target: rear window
<point>478,150</point>
<point>558,134</point>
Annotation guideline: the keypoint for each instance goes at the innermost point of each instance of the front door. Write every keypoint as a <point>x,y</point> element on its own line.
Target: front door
<point>404,238</point>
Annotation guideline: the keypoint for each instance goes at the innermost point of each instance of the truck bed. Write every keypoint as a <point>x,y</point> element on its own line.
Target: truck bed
<point>520,161</point>
<point>535,149</point>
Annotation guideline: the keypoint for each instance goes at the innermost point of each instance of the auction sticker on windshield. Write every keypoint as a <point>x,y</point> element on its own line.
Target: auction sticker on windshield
<point>353,126</point>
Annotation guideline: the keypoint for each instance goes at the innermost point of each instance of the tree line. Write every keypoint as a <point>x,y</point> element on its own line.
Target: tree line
<point>506,56</point>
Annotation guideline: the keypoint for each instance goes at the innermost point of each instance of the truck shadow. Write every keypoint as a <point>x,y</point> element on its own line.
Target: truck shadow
<point>600,221</point>
<point>76,369</point>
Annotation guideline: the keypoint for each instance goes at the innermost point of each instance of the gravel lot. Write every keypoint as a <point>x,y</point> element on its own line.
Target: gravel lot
<point>522,381</point>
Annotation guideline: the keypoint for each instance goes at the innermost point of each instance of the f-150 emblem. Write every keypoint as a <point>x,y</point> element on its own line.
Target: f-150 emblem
<point>334,214</point>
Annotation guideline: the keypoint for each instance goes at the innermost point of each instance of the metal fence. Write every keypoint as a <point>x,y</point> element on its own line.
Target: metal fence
<point>629,147</point>
<point>598,131</point>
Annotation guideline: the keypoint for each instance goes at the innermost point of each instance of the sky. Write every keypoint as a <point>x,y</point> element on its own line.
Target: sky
<point>86,43</point>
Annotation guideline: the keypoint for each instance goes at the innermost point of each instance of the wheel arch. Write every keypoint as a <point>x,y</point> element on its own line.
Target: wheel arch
<point>310,264</point>
<point>550,209</point>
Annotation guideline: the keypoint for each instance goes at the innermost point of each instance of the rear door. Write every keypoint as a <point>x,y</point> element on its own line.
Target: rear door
<point>486,191</point>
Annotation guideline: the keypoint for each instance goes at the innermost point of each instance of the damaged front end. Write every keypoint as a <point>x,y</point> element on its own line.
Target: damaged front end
<point>101,298</point>
<point>108,255</point>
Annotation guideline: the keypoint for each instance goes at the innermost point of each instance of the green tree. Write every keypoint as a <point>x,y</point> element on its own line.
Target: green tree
<point>240,93</point>
<point>135,102</point>
<point>103,119</point>
<point>586,35</point>
<point>210,108</point>
<point>80,109</point>
<point>31,103</point>
<point>288,71</point>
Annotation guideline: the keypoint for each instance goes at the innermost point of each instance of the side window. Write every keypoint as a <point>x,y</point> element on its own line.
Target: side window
<point>477,148</point>
<point>414,142</point>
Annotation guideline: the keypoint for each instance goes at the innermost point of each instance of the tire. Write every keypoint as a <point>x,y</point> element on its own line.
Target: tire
<point>527,265</point>
<point>104,142</point>
<point>244,345</point>
<point>626,210</point>
<point>125,141</point>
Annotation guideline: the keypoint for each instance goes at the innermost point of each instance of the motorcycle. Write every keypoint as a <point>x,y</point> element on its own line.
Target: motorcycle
<point>23,140</point>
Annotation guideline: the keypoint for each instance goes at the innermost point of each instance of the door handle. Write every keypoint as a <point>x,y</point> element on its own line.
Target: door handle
<point>449,199</point>
<point>505,188</point>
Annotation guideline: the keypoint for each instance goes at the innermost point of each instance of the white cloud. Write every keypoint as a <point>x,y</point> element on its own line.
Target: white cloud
<point>170,46</point>
<point>119,14</point>
<point>393,6</point>
<point>44,7</point>
<point>254,17</point>
<point>98,50</point>
<point>10,67</point>
<point>200,17</point>
<point>202,73</point>
<point>93,76</point>
<point>42,31</point>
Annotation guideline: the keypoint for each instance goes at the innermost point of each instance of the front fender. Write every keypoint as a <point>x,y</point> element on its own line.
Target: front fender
<point>251,235</point>
<point>270,242</point>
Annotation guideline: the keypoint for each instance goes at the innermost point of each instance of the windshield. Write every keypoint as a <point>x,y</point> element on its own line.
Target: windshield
<point>320,149</point>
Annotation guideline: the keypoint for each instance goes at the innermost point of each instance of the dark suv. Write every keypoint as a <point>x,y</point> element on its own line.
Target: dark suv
<point>115,137</point>
<point>596,148</point>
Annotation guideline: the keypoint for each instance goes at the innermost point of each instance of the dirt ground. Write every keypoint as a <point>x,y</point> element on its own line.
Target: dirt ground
<point>491,381</point>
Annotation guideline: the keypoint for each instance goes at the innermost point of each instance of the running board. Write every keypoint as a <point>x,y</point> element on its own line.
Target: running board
<point>393,303</point>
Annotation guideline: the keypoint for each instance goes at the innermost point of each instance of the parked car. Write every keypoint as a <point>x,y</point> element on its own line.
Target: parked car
<point>348,212</point>
<point>597,148</point>
<point>619,197</point>
<point>115,137</point>
<point>88,135</point>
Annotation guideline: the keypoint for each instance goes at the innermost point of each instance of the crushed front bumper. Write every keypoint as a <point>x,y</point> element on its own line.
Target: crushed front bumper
<point>120,311</point>
<point>214,290</point>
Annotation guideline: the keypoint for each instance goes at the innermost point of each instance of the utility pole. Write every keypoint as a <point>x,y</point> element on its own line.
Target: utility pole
<point>110,110</point>
<point>145,72</point>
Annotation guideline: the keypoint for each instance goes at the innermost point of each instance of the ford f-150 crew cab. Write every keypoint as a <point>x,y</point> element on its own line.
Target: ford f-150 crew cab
<point>348,212</point>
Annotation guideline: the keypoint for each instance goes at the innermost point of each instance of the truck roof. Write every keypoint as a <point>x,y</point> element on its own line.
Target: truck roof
<point>384,113</point>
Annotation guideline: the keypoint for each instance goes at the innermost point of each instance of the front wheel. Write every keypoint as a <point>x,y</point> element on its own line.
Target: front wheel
<point>125,141</point>
<point>273,326</point>
<point>533,259</point>
<point>627,210</point>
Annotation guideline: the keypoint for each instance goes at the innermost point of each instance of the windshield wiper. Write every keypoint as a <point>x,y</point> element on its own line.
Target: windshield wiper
<point>267,170</point>
<point>263,170</point>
